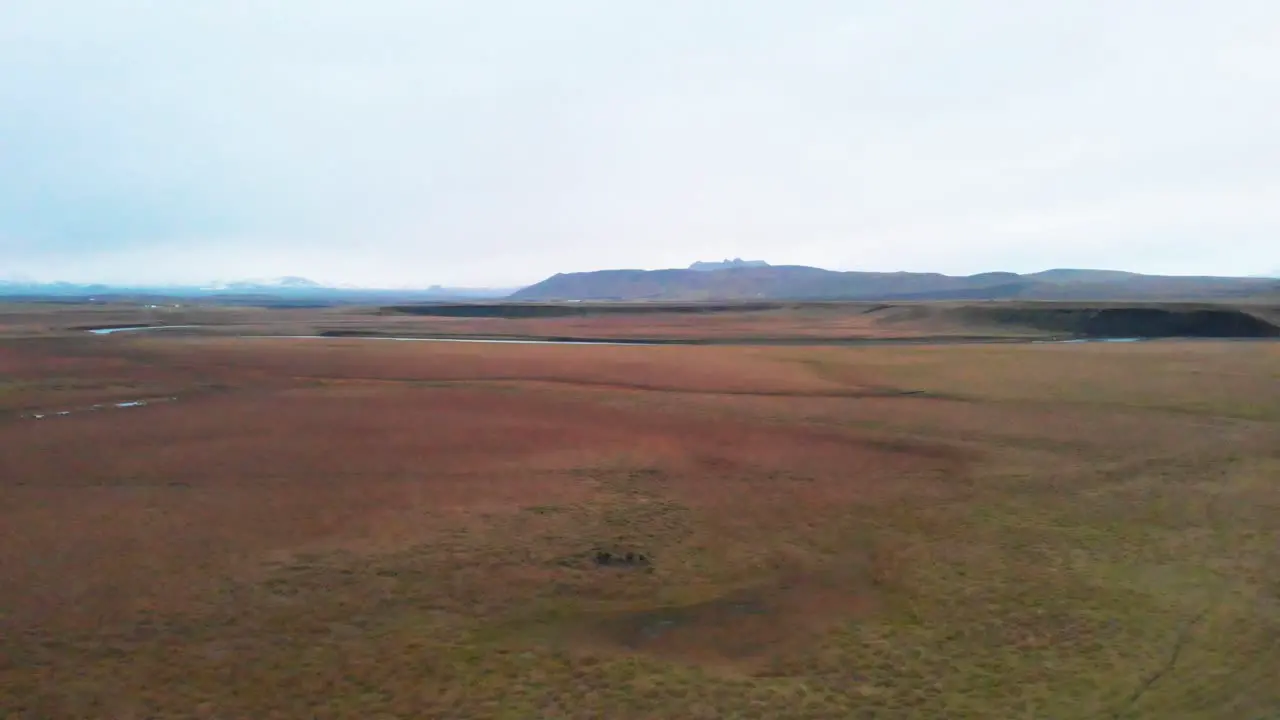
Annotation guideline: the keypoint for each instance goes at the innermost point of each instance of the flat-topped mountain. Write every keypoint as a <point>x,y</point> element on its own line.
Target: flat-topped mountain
<point>740,280</point>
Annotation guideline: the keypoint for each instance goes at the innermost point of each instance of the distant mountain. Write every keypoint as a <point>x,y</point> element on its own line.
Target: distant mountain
<point>726,264</point>
<point>809,283</point>
<point>290,288</point>
<point>280,283</point>
<point>57,289</point>
<point>1064,275</point>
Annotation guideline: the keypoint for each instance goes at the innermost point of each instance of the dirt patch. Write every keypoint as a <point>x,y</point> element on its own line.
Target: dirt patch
<point>741,631</point>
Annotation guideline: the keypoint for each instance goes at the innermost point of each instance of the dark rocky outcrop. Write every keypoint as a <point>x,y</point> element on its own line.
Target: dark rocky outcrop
<point>727,264</point>
<point>605,558</point>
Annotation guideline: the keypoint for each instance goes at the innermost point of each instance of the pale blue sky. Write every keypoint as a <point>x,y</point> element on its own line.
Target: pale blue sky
<point>494,142</point>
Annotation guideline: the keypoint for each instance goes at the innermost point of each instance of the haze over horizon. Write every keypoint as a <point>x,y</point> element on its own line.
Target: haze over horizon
<point>495,143</point>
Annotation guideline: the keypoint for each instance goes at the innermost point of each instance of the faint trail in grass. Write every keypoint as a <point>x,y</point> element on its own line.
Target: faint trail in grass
<point>1184,637</point>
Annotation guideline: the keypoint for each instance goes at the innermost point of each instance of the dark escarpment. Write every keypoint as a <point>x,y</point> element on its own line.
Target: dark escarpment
<point>853,320</point>
<point>1126,322</point>
<point>513,310</point>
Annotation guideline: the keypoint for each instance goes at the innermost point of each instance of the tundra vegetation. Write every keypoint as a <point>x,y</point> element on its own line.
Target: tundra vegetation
<point>339,528</point>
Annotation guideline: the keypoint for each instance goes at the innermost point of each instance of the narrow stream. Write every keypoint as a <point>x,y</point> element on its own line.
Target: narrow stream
<point>852,342</point>
<point>136,328</point>
<point>95,408</point>
<point>504,341</point>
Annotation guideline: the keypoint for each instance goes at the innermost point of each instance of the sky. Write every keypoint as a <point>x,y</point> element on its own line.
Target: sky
<point>404,143</point>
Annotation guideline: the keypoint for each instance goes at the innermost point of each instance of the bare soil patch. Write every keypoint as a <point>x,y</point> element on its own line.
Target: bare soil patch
<point>741,631</point>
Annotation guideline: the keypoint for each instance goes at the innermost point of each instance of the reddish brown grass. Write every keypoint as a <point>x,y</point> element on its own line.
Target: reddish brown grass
<point>345,528</point>
<point>211,480</point>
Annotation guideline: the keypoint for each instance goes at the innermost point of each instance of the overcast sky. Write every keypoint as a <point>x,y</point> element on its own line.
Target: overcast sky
<point>494,142</point>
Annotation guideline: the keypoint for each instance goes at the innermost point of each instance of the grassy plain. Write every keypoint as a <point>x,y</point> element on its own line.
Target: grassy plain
<point>363,529</point>
<point>798,321</point>
<point>777,322</point>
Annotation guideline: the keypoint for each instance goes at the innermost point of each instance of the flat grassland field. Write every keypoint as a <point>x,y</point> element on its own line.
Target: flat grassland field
<point>341,528</point>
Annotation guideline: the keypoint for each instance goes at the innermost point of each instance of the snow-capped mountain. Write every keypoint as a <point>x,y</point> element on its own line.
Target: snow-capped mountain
<point>289,282</point>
